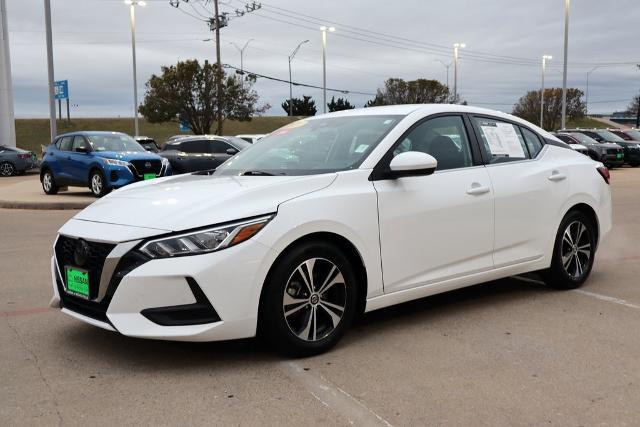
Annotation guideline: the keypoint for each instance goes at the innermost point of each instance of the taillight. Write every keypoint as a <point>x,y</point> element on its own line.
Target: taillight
<point>604,173</point>
<point>24,155</point>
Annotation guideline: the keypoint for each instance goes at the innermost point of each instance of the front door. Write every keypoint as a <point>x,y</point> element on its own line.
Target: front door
<point>436,227</point>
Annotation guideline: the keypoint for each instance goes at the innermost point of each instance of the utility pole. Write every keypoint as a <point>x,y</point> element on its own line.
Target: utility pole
<point>7,119</point>
<point>241,50</point>
<point>324,30</point>
<point>567,7</point>
<point>52,99</point>
<point>544,66</point>
<point>293,54</point>
<point>132,11</point>
<point>587,94</point>
<point>219,74</point>
<point>456,47</point>
<point>447,67</point>
<point>638,106</point>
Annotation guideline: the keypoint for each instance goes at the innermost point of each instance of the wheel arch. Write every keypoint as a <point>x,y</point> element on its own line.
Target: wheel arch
<point>590,213</point>
<point>349,249</point>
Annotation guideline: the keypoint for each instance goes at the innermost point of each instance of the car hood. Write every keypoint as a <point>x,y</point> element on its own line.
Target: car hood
<point>126,155</point>
<point>189,201</point>
<point>609,145</point>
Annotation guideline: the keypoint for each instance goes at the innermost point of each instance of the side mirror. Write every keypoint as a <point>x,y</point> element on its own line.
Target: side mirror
<point>412,163</point>
<point>82,149</point>
<point>232,151</point>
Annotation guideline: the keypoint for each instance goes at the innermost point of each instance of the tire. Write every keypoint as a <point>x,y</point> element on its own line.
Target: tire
<point>48,183</point>
<point>290,299</point>
<point>97,184</point>
<point>7,169</point>
<point>634,164</point>
<point>573,252</point>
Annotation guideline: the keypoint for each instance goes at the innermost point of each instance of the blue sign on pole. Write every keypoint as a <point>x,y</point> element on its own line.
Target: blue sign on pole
<point>184,126</point>
<point>61,89</point>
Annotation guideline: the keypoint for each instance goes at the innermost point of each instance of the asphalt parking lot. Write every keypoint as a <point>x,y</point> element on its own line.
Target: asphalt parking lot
<point>510,352</point>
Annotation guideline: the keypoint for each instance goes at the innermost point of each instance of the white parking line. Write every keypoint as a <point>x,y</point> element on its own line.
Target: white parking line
<point>334,397</point>
<point>601,297</point>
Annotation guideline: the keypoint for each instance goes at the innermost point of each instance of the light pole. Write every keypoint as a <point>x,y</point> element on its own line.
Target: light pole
<point>324,65</point>
<point>567,7</point>
<point>447,67</point>
<point>132,9</point>
<point>545,58</point>
<point>456,47</point>
<point>587,95</point>
<point>7,119</point>
<point>293,54</point>
<point>241,50</point>
<point>52,101</point>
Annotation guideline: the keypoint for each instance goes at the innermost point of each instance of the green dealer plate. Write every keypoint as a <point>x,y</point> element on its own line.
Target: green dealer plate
<point>77,282</point>
<point>149,176</point>
<point>619,156</point>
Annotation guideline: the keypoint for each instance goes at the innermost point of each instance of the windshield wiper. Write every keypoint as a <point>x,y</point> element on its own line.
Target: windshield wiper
<point>256,173</point>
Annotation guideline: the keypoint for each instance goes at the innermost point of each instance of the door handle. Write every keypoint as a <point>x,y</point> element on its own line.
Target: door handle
<point>557,176</point>
<point>477,189</point>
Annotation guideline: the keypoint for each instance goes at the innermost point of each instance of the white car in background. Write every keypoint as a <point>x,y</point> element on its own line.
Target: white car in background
<point>329,217</point>
<point>252,138</point>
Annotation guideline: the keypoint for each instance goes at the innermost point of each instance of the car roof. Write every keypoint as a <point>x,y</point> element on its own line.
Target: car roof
<point>194,138</point>
<point>90,132</point>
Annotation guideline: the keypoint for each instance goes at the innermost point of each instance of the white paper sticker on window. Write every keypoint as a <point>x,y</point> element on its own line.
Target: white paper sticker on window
<point>503,140</point>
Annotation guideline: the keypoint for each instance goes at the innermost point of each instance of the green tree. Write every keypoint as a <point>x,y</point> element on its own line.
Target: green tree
<point>420,91</point>
<point>528,106</point>
<point>187,91</point>
<point>301,107</point>
<point>632,109</point>
<point>339,105</point>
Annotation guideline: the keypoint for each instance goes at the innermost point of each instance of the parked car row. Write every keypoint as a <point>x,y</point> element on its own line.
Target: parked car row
<point>606,145</point>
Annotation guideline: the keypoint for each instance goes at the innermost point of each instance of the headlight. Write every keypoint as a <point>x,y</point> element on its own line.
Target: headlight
<point>114,162</point>
<point>205,241</point>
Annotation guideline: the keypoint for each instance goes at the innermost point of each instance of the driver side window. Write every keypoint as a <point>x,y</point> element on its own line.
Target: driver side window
<point>444,138</point>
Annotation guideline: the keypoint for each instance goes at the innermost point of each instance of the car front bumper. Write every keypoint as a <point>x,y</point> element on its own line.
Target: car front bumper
<point>119,176</point>
<point>206,297</point>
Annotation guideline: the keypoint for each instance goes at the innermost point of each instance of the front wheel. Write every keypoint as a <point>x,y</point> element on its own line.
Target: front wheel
<point>48,183</point>
<point>573,253</point>
<point>97,184</point>
<point>310,300</point>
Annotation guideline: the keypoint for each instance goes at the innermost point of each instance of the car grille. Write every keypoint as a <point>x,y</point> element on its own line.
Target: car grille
<point>146,166</point>
<point>98,252</point>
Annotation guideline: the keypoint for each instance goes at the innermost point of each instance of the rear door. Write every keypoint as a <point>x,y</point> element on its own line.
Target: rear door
<point>194,155</point>
<point>530,189</point>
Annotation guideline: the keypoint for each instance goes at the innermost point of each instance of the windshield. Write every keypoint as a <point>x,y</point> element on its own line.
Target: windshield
<point>609,136</point>
<point>584,138</point>
<point>114,142</point>
<point>312,146</point>
<point>239,143</point>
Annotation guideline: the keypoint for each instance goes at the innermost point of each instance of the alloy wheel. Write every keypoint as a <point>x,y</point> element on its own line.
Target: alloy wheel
<point>47,181</point>
<point>315,299</point>
<point>576,249</point>
<point>6,169</point>
<point>96,184</point>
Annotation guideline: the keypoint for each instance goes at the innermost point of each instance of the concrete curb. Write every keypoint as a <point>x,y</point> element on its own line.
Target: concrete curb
<point>54,206</point>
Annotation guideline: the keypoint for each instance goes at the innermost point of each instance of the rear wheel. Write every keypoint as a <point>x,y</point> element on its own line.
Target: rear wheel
<point>310,300</point>
<point>7,169</point>
<point>97,184</point>
<point>48,183</point>
<point>573,253</point>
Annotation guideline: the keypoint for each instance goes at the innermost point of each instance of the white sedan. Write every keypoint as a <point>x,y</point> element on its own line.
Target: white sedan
<point>330,217</point>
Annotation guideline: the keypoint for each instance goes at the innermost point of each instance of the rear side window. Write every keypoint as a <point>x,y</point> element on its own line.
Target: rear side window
<point>65,143</point>
<point>218,147</point>
<point>532,141</point>
<point>502,141</point>
<point>194,147</point>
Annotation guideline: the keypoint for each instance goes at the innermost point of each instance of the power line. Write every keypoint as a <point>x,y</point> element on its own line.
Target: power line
<point>276,79</point>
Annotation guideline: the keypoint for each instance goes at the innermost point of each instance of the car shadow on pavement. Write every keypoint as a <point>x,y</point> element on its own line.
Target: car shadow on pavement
<point>153,355</point>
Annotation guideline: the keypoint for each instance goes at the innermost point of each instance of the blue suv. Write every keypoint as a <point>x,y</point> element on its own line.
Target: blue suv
<point>101,161</point>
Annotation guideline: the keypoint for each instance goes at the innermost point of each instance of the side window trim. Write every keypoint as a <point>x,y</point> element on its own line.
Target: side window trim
<point>380,169</point>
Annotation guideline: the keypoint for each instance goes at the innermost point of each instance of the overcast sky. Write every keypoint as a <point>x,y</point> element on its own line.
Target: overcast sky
<point>374,40</point>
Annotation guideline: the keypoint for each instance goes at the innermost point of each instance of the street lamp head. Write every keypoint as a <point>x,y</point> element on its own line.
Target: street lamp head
<point>135,2</point>
<point>547,57</point>
<point>330,29</point>
<point>460,45</point>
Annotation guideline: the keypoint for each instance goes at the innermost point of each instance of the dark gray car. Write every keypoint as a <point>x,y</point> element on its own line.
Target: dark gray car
<point>201,153</point>
<point>15,161</point>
